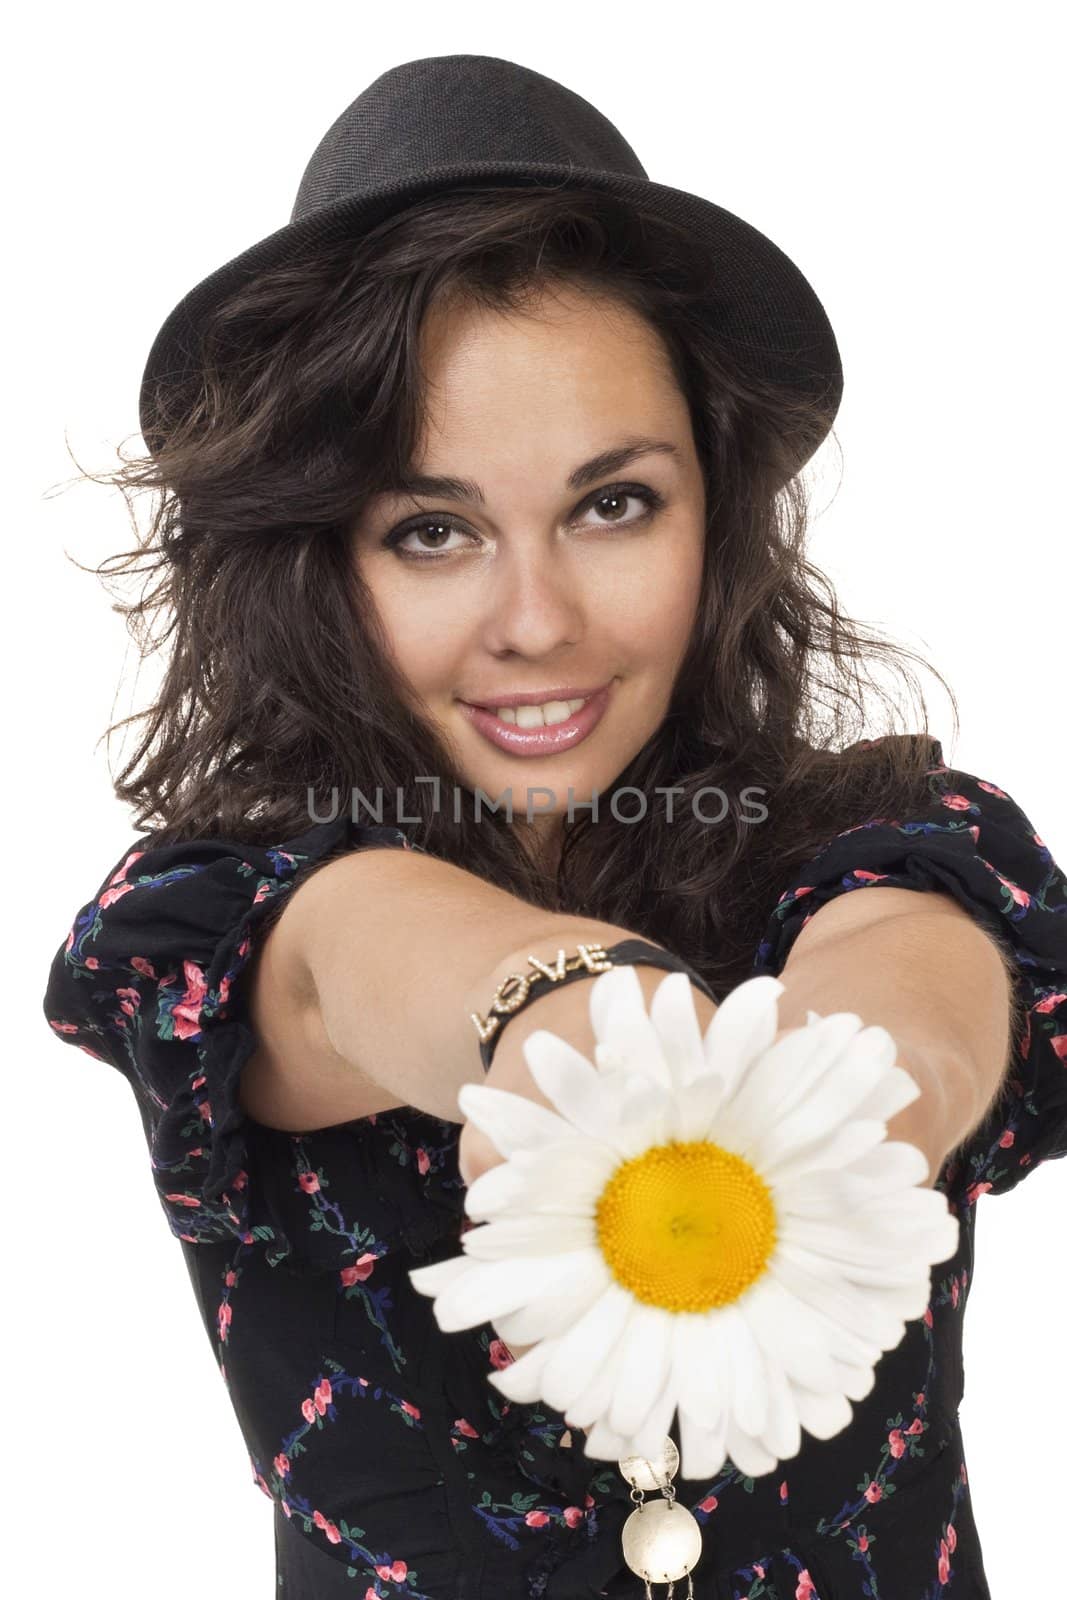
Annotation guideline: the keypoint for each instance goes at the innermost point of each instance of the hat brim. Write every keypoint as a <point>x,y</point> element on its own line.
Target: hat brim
<point>762,305</point>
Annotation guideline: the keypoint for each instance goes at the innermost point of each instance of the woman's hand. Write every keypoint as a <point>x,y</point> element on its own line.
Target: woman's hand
<point>566,1012</point>
<point>476,1152</point>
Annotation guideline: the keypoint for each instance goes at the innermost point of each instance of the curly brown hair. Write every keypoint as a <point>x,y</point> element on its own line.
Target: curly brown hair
<point>278,689</point>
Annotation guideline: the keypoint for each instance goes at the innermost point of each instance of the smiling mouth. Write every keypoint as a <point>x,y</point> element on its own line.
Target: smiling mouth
<point>530,734</point>
<point>564,696</point>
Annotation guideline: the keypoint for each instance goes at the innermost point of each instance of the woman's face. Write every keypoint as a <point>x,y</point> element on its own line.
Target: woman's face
<point>568,559</point>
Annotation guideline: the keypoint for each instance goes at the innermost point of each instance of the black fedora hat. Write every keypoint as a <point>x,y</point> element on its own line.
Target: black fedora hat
<point>442,121</point>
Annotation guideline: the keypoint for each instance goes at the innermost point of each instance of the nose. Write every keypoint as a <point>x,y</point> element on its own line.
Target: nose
<point>535,603</point>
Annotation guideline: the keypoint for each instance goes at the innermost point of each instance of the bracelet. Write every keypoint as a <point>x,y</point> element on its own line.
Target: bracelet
<point>590,960</point>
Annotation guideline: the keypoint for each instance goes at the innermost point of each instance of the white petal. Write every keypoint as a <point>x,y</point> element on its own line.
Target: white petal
<point>818,1193</point>
<point>551,1314</point>
<point>647,1116</point>
<point>896,1090</point>
<point>856,1381</point>
<point>595,1399</point>
<point>786,1073</point>
<point>698,1108</point>
<point>645,1367</point>
<point>744,1025</point>
<point>894,1163</point>
<point>657,1425</point>
<point>568,1176</point>
<point>822,1415</point>
<point>912,1208</point>
<point>781,1432</point>
<point>603,1445</point>
<point>529,1235</point>
<point>575,1087</point>
<point>521,1380</point>
<point>858,1239</point>
<point>833,1100</point>
<point>823,1192</point>
<point>748,1371</point>
<point>728,1131</point>
<point>565,1178</point>
<point>847,1144</point>
<point>587,1342</point>
<point>561,1049</point>
<point>702,1449</point>
<point>748,1454</point>
<point>433,1278</point>
<point>492,1288</point>
<point>909,1300</point>
<point>861,1312</point>
<point>701,1367</point>
<point>880,1241</point>
<point>881,1274</point>
<point>674,1017</point>
<point>621,1022</point>
<point>787,1335</point>
<point>846,1345</point>
<point>512,1121</point>
<point>493,1190</point>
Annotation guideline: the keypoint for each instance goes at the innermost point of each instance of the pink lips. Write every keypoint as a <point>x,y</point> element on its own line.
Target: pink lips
<point>540,741</point>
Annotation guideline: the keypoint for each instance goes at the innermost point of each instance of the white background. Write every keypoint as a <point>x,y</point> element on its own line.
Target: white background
<point>908,159</point>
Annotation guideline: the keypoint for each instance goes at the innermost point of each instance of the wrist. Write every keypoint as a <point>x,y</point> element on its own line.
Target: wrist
<point>501,987</point>
<point>561,933</point>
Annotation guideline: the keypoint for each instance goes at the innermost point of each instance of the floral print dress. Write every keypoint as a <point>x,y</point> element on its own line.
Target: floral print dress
<point>395,1468</point>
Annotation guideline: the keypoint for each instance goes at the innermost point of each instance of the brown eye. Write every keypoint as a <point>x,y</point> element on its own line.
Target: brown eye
<point>431,532</point>
<point>611,501</point>
<point>434,530</point>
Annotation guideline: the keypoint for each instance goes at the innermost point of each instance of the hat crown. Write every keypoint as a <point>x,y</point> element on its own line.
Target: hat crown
<point>442,112</point>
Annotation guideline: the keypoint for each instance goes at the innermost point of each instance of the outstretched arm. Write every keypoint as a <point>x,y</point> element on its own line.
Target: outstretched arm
<point>919,965</point>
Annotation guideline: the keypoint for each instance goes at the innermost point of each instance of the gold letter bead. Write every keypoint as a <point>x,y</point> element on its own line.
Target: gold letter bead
<point>484,1029</point>
<point>552,973</point>
<point>506,1003</point>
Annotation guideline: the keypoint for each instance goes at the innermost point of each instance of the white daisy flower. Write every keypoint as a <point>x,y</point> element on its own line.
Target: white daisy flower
<point>714,1225</point>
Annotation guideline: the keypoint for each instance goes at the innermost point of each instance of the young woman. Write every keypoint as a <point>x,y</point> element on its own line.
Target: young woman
<point>492,427</point>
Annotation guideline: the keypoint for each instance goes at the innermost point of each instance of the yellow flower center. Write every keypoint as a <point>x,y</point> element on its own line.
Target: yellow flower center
<point>686,1226</point>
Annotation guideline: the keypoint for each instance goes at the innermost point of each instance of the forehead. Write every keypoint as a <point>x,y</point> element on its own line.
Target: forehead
<point>557,328</point>
<point>549,377</point>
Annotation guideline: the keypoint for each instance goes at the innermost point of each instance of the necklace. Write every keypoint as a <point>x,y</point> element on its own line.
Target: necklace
<point>661,1541</point>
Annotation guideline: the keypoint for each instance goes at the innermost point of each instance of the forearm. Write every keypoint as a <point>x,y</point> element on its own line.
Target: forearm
<point>397,947</point>
<point>906,975</point>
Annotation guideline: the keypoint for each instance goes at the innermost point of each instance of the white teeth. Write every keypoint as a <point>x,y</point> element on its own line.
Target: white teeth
<point>539,716</point>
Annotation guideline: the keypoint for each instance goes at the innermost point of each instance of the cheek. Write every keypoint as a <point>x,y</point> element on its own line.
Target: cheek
<point>660,590</point>
<point>420,633</point>
<point>663,614</point>
<point>683,597</point>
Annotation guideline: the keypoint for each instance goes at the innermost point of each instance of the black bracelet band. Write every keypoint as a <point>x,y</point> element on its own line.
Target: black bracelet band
<point>627,952</point>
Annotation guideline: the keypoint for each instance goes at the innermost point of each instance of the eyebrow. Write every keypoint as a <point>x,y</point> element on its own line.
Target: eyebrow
<point>598,466</point>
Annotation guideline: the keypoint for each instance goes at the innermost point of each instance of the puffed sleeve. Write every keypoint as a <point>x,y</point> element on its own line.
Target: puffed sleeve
<point>973,842</point>
<point>149,980</point>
